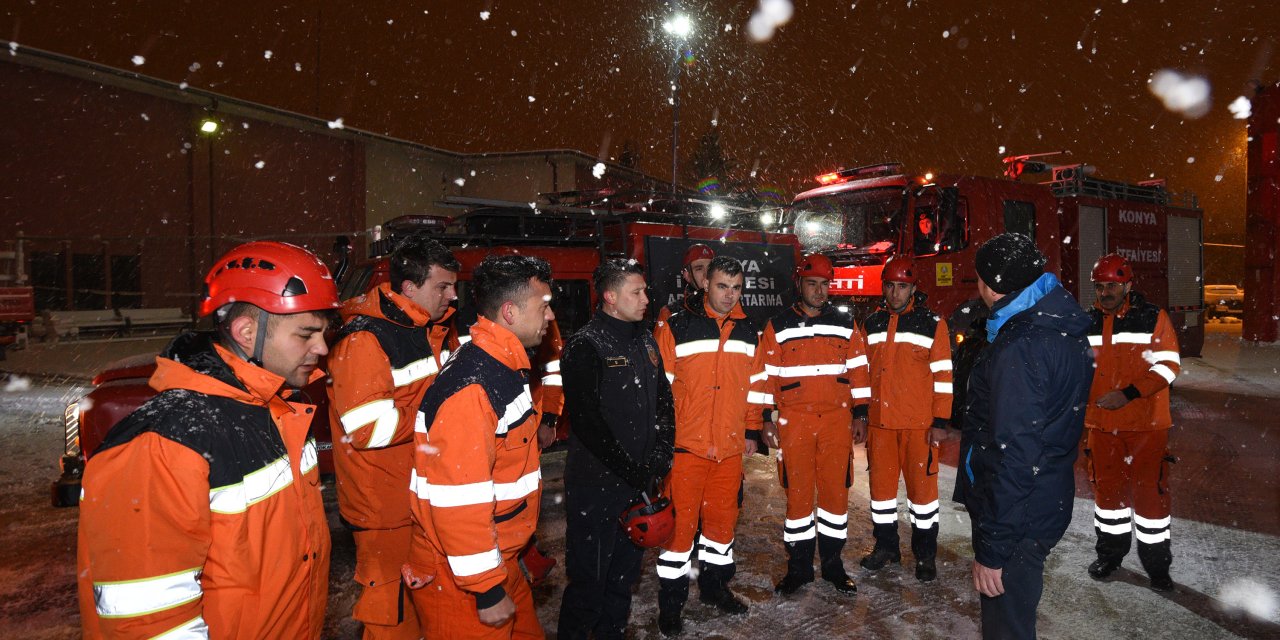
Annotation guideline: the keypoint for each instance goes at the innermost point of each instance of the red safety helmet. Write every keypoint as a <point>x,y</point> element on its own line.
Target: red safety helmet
<point>815,266</point>
<point>649,523</point>
<point>1112,268</point>
<point>898,269</point>
<point>697,252</point>
<point>276,277</point>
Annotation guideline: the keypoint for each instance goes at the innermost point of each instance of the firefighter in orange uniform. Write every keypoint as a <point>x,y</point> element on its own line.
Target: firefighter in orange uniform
<point>1127,423</point>
<point>816,362</point>
<point>476,480</point>
<point>717,373</point>
<point>384,359</point>
<point>694,274</point>
<point>910,354</point>
<point>201,513</point>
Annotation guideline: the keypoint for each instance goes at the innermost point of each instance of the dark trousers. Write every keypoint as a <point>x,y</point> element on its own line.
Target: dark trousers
<point>601,563</point>
<point>1012,616</point>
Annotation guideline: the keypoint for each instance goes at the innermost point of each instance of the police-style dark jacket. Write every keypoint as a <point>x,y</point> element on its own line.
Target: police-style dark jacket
<point>619,402</point>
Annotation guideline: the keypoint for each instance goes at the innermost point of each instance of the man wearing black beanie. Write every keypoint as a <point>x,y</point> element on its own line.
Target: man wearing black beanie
<point>1023,418</point>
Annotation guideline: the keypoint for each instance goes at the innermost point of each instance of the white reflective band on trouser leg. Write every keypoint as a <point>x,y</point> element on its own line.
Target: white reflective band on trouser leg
<point>673,564</point>
<point>884,511</point>
<point>1149,531</point>
<point>923,516</point>
<point>832,525</point>
<point>553,381</point>
<point>140,597</point>
<point>1112,521</point>
<point>475,563</point>
<point>194,629</point>
<point>713,552</point>
<point>1112,514</point>
<point>796,530</point>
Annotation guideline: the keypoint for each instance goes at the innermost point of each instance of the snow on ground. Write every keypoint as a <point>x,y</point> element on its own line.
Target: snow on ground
<point>1232,365</point>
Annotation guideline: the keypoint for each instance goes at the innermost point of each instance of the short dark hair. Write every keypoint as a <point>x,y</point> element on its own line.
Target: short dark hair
<point>499,279</point>
<point>413,258</point>
<point>229,312</point>
<point>612,273</point>
<point>724,264</point>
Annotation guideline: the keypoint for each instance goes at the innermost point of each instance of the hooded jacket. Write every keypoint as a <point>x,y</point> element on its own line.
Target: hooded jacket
<point>201,512</point>
<point>546,383</point>
<point>717,378</point>
<point>910,358</point>
<point>383,359</point>
<point>1136,349</point>
<point>1024,419</point>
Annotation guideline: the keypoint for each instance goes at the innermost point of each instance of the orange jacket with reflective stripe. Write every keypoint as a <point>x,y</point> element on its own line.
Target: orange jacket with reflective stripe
<point>815,364</point>
<point>717,379</point>
<point>386,355</point>
<point>1135,350</point>
<point>910,355</point>
<point>545,382</point>
<point>476,477</point>
<point>202,513</point>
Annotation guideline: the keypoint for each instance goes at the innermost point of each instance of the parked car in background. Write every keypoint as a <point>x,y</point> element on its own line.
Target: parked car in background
<point>1223,300</point>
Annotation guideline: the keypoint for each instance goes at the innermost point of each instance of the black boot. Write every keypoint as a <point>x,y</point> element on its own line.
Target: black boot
<point>829,548</point>
<point>1156,559</point>
<point>879,557</point>
<point>799,567</point>
<point>1111,548</point>
<point>1102,568</point>
<point>669,623</point>
<point>713,588</point>
<point>672,594</point>
<point>926,570</point>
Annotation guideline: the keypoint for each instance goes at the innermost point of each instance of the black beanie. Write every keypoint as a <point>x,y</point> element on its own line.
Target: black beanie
<point>1009,262</point>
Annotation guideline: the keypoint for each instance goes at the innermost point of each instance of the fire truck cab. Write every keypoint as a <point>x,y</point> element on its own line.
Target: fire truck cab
<point>860,217</point>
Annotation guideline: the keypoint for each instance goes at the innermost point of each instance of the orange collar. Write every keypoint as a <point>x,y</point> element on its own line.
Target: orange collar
<point>499,342</point>
<point>735,313</point>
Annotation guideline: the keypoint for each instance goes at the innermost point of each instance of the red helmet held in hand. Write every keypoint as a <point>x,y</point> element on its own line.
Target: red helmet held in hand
<point>898,269</point>
<point>815,266</point>
<point>1112,268</point>
<point>276,277</point>
<point>649,523</point>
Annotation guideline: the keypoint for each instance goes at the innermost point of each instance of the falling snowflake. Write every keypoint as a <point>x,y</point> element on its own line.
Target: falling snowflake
<point>138,61</point>
<point>484,15</point>
<point>460,181</point>
<point>267,54</point>
<point>1240,108</point>
<point>1184,94</point>
<point>598,170</point>
<point>336,124</point>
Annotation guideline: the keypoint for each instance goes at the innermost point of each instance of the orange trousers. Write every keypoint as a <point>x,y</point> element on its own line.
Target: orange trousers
<point>703,491</point>
<point>910,454</point>
<point>450,612</point>
<point>815,454</point>
<point>1130,474</point>
<point>384,606</point>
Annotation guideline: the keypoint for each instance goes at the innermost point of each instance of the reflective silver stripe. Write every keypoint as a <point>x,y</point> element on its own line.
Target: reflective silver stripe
<point>1151,538</point>
<point>1164,356</point>
<point>420,423</point>
<point>415,371</point>
<point>713,552</point>
<point>877,338</point>
<point>807,370</point>
<point>131,598</point>
<point>1119,528</point>
<point>796,530</point>
<point>854,363</point>
<point>940,365</point>
<point>671,377</point>
<point>678,558</point>
<point>827,522</point>
<point>256,487</point>
<point>842,518</point>
<point>1112,514</point>
<point>552,367</point>
<point>755,397</point>
<point>1164,372</point>
<point>921,509</point>
<point>763,375</point>
<point>382,413</point>
<point>475,563</point>
<point>696,347</point>
<point>814,330</point>
<point>1160,523</point>
<point>527,484</point>
<point>193,629</point>
<point>913,338</point>
<point>738,346</point>
<point>514,411</point>
<point>310,457</point>
<point>883,505</point>
<point>444,355</point>
<point>1114,529</point>
<point>1095,341</point>
<point>553,381</point>
<point>1130,338</point>
<point>942,387</point>
<point>860,392</point>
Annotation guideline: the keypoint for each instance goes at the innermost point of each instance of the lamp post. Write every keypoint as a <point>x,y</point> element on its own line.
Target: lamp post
<point>679,27</point>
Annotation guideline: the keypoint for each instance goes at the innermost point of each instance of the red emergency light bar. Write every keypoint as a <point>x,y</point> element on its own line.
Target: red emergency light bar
<point>868,171</point>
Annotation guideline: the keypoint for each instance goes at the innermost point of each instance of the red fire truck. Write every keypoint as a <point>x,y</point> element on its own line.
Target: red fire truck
<point>862,216</point>
<point>573,233</point>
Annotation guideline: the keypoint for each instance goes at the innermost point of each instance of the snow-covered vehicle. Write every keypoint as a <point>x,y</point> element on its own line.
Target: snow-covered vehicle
<point>1223,300</point>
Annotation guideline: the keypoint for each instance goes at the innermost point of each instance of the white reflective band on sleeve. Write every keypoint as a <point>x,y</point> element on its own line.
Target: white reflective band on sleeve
<point>193,629</point>
<point>140,597</point>
<point>804,371</point>
<point>759,377</point>
<point>854,363</point>
<point>553,381</point>
<point>452,495</point>
<point>1130,338</point>
<point>755,397</point>
<point>383,412</point>
<point>738,346</point>
<point>1162,523</point>
<point>420,423</point>
<point>913,338</point>
<point>310,456</point>
<point>942,387</point>
<point>860,392</point>
<point>940,365</point>
<point>696,347</point>
<point>552,367</point>
<point>877,338</point>
<point>256,487</point>
<point>814,330</point>
<point>515,410</point>
<point>1164,372</point>
<point>477,563</point>
<point>415,371</point>
<point>1112,514</point>
<point>1095,341</point>
<point>1164,356</point>
<point>527,484</point>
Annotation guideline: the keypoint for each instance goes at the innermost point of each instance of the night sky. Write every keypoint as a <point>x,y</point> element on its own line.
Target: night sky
<point>940,86</point>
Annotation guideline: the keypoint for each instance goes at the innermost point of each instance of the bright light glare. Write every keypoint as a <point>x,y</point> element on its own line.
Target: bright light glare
<point>766,218</point>
<point>208,126</point>
<point>718,212</point>
<point>928,177</point>
<point>679,26</point>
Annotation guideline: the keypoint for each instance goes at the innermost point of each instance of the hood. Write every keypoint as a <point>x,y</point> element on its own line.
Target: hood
<point>1044,303</point>
<point>383,303</point>
<point>195,362</point>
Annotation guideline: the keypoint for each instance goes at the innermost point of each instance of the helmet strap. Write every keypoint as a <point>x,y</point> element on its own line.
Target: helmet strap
<point>256,360</point>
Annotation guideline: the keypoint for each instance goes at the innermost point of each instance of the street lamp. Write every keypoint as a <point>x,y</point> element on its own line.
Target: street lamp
<point>679,27</point>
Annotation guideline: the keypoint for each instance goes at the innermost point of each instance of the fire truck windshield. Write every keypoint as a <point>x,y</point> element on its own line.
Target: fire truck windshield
<point>852,218</point>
